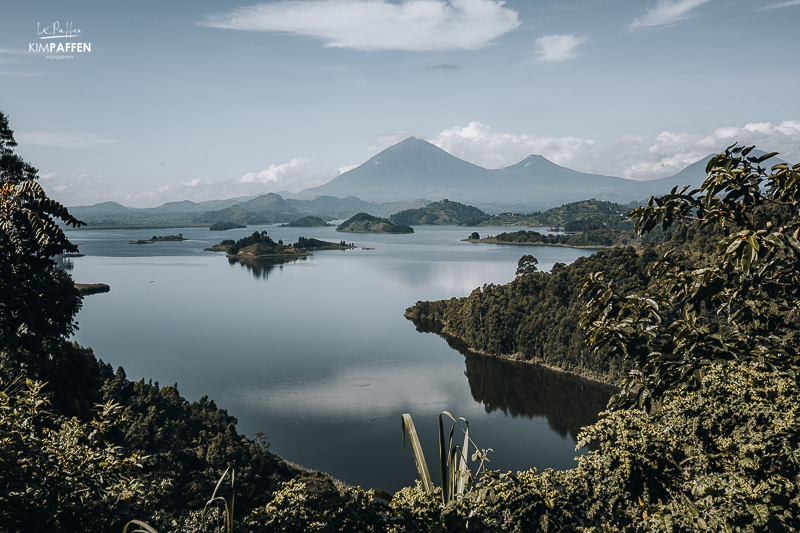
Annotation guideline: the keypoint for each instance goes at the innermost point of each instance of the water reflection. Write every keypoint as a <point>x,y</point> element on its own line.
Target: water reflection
<point>261,268</point>
<point>519,389</point>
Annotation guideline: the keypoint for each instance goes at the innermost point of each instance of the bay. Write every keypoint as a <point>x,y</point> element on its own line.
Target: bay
<point>317,354</point>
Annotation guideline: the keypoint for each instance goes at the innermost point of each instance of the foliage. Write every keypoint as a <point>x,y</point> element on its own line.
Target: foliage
<point>188,446</point>
<point>39,301</point>
<point>438,213</point>
<point>225,226</point>
<point>742,305</point>
<point>61,474</point>
<point>584,215</point>
<point>599,238</point>
<point>456,477</point>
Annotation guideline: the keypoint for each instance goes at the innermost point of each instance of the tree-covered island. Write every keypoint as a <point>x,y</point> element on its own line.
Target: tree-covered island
<point>309,221</point>
<point>155,239</point>
<point>365,223</point>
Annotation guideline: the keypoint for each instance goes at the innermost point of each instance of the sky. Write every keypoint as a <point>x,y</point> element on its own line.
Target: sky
<point>204,100</point>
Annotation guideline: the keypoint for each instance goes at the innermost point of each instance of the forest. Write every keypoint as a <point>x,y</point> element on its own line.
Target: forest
<point>594,238</point>
<point>702,333</point>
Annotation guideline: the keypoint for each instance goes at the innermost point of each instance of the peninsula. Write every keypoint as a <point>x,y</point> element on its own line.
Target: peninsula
<point>594,239</point>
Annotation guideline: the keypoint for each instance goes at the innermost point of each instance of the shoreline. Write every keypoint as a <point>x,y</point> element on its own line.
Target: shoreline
<point>495,241</point>
<point>450,336</point>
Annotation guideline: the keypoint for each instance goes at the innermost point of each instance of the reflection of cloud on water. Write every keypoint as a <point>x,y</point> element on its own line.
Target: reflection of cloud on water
<point>359,393</point>
<point>454,278</point>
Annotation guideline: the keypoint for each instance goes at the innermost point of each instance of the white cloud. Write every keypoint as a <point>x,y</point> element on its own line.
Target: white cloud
<point>783,4</point>
<point>667,12</point>
<point>551,48</point>
<point>378,24</point>
<point>630,156</point>
<point>279,174</point>
<point>63,140</point>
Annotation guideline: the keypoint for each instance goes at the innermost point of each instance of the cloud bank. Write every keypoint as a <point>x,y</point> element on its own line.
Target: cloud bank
<point>416,25</point>
<point>667,12</point>
<point>631,156</point>
<point>551,48</point>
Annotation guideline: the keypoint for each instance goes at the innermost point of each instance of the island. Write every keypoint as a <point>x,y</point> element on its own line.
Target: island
<point>258,246</point>
<point>594,239</point>
<point>225,226</point>
<point>316,244</point>
<point>365,223</point>
<point>85,289</point>
<point>445,212</point>
<point>154,239</point>
<point>307,222</point>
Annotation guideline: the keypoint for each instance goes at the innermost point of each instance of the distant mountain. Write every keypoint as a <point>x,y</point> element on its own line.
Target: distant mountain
<point>416,169</point>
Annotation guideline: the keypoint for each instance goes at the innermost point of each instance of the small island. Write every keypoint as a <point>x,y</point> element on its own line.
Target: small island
<point>307,222</point>
<point>316,244</point>
<point>365,223</point>
<point>258,246</point>
<point>154,239</point>
<point>594,239</point>
<point>85,289</point>
<point>225,226</point>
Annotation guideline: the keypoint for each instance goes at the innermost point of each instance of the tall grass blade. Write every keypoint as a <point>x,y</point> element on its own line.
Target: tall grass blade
<point>416,447</point>
<point>145,528</point>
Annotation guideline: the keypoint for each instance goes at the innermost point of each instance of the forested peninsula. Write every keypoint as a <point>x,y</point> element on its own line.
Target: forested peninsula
<point>535,317</point>
<point>705,435</point>
<point>596,238</point>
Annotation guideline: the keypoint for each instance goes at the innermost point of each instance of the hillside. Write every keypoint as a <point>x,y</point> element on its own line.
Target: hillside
<point>364,223</point>
<point>584,215</point>
<point>445,212</point>
<point>309,221</point>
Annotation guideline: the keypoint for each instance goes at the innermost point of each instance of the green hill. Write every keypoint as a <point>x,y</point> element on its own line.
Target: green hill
<point>445,212</point>
<point>307,222</point>
<point>364,223</point>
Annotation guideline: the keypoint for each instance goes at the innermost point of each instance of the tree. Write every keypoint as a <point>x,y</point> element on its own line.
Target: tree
<point>39,301</point>
<point>526,265</point>
<point>743,304</point>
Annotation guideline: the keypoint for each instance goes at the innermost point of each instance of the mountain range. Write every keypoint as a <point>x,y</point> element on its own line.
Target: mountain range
<point>414,168</point>
<point>410,174</point>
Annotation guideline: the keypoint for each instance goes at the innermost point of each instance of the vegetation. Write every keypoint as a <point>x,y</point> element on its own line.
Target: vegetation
<point>154,238</point>
<point>316,244</point>
<point>441,213</point>
<point>364,223</point>
<point>596,238</point>
<point>585,215</point>
<point>307,222</point>
<point>225,226</point>
<point>256,246</point>
<point>86,289</point>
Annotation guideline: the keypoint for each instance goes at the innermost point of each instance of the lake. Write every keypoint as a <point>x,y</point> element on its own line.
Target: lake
<point>317,353</point>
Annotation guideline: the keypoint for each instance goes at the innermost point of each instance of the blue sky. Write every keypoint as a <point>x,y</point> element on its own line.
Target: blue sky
<point>200,100</point>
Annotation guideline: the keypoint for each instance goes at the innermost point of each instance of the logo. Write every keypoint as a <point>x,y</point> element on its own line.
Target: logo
<point>53,46</point>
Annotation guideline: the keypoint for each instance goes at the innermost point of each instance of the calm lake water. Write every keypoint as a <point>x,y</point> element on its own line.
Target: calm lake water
<point>317,354</point>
